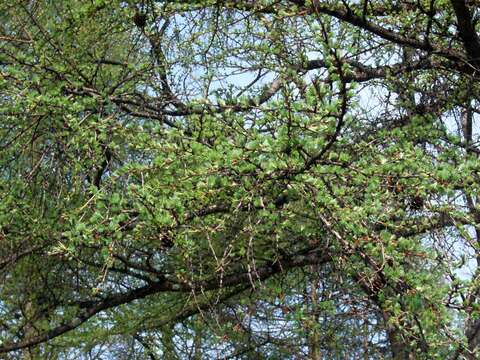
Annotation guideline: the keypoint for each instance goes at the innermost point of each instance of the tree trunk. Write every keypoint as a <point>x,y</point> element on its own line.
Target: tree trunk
<point>168,343</point>
<point>314,336</point>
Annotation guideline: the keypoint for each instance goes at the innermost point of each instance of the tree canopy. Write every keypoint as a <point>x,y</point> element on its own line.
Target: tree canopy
<point>239,179</point>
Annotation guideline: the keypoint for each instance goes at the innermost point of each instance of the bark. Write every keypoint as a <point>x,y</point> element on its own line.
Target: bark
<point>168,343</point>
<point>32,352</point>
<point>314,336</point>
<point>198,339</point>
<point>398,347</point>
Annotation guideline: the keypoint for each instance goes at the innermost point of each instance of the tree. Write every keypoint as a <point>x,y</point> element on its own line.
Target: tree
<point>239,179</point>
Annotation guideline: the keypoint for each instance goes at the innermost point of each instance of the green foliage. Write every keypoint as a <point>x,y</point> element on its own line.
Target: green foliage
<point>248,179</point>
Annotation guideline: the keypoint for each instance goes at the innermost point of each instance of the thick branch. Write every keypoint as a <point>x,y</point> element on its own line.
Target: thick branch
<point>112,301</point>
<point>466,31</point>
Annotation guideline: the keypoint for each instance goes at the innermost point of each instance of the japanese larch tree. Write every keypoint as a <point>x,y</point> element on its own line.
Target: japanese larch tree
<point>239,179</point>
